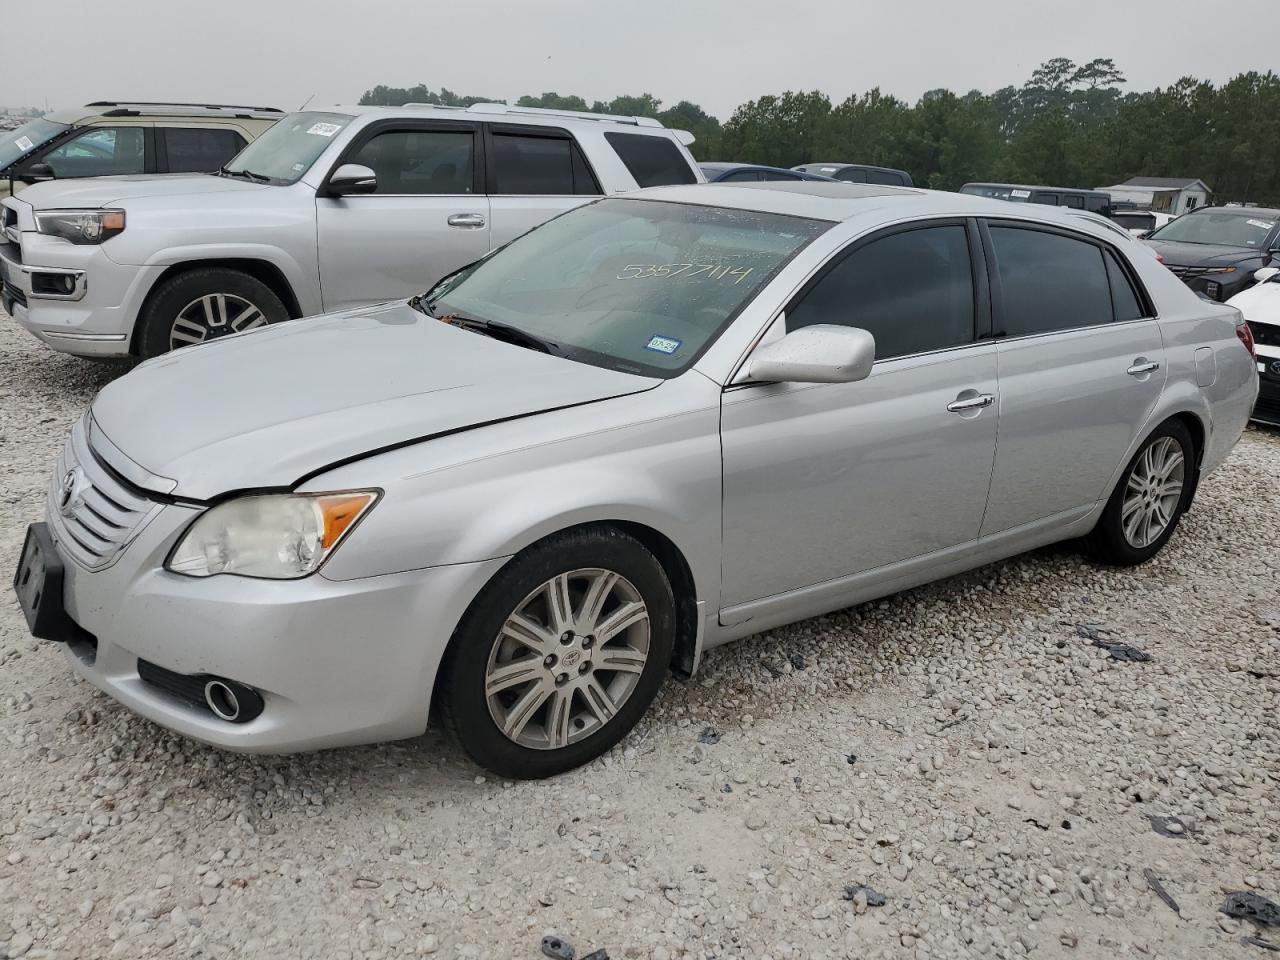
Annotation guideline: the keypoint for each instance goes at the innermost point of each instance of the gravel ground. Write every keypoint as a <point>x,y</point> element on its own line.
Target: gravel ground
<point>962,749</point>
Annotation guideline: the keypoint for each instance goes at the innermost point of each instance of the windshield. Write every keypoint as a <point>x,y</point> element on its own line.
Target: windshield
<point>997,191</point>
<point>286,151</point>
<point>1225,229</point>
<point>18,143</point>
<point>636,285</point>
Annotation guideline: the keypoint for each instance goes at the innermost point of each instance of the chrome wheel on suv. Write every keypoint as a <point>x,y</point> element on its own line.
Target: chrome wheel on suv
<point>214,315</point>
<point>567,659</point>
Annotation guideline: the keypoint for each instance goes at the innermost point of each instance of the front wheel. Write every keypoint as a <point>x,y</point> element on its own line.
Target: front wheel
<point>560,654</point>
<point>205,304</point>
<point>1153,493</point>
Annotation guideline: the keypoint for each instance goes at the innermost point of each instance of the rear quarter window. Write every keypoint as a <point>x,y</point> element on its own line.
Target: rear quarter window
<point>652,161</point>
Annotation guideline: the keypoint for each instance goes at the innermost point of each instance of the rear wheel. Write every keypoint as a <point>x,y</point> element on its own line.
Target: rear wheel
<point>1147,504</point>
<point>560,654</point>
<point>206,304</point>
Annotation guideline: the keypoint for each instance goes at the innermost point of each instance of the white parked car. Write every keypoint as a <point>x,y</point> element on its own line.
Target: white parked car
<point>1139,223</point>
<point>328,210</point>
<point>1260,305</point>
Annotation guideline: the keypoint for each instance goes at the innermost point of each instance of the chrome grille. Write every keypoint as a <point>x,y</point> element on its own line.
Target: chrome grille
<point>93,513</point>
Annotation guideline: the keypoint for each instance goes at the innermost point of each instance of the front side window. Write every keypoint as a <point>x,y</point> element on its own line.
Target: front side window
<point>421,161</point>
<point>539,166</point>
<point>1049,282</point>
<point>200,149</point>
<point>100,152</point>
<point>633,285</point>
<point>1228,228</point>
<point>652,161</point>
<point>20,142</point>
<point>912,290</point>
<point>287,151</point>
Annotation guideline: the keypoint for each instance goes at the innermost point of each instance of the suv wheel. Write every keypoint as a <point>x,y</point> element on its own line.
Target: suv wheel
<point>560,654</point>
<point>205,304</point>
<point>1153,493</point>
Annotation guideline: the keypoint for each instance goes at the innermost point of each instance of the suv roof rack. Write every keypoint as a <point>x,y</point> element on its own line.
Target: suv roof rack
<point>547,112</point>
<point>161,103</point>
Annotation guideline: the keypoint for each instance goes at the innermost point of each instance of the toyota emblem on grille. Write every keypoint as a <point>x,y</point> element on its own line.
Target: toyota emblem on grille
<point>67,492</point>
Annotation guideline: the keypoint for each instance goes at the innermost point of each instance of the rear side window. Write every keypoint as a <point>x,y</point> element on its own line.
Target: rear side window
<point>852,176</point>
<point>653,161</point>
<point>421,161</point>
<point>884,177</point>
<point>912,290</point>
<point>524,164</point>
<point>1049,282</point>
<point>1123,298</point>
<point>1075,203</point>
<point>778,175</point>
<point>200,149</point>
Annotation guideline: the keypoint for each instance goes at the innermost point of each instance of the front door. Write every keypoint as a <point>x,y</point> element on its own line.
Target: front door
<point>1081,370</point>
<point>427,218</point>
<point>826,481</point>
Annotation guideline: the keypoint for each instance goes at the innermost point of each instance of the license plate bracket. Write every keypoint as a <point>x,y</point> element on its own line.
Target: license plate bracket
<point>38,582</point>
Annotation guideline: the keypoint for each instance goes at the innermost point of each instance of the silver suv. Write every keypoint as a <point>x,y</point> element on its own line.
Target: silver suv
<point>117,138</point>
<point>326,211</point>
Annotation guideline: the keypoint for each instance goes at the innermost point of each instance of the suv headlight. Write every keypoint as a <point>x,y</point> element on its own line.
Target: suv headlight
<point>80,226</point>
<point>273,536</point>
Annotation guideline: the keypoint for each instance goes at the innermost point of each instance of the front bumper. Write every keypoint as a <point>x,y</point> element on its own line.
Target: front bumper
<point>335,662</point>
<point>1267,407</point>
<point>74,298</point>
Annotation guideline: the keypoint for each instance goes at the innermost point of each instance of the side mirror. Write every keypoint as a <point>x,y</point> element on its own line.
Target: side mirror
<point>352,178</point>
<point>1263,274</point>
<point>822,353</point>
<point>37,171</point>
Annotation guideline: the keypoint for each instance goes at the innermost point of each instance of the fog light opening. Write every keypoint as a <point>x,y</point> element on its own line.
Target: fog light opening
<point>222,700</point>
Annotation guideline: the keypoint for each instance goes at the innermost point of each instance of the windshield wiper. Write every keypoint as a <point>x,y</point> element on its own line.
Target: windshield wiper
<point>247,174</point>
<point>491,328</point>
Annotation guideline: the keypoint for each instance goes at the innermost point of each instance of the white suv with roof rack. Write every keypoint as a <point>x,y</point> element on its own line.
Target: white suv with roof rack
<point>329,210</point>
<point>114,137</point>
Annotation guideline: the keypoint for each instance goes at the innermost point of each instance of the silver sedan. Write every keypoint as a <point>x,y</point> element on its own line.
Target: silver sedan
<point>651,426</point>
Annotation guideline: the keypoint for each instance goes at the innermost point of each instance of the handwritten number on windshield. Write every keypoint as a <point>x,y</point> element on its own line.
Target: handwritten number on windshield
<point>690,271</point>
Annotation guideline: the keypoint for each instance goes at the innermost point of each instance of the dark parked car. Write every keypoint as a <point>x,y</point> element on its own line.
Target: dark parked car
<point>750,173</point>
<point>1072,197</point>
<point>858,173</point>
<point>1215,250</point>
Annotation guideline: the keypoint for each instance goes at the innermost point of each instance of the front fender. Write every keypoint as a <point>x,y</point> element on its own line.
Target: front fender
<point>300,277</point>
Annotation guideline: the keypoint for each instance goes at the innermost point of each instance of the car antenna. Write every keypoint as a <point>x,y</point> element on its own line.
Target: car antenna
<point>305,102</point>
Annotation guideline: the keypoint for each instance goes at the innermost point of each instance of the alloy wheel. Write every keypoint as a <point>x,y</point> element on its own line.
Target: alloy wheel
<point>567,658</point>
<point>214,315</point>
<point>1153,492</point>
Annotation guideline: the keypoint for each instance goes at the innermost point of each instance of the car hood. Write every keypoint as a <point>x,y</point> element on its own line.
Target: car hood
<point>105,191</point>
<point>1259,304</point>
<point>269,408</point>
<point>1201,254</point>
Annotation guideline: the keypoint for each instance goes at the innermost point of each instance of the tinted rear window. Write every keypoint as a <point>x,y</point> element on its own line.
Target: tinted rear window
<point>653,161</point>
<point>524,164</point>
<point>200,149</point>
<point>1049,282</point>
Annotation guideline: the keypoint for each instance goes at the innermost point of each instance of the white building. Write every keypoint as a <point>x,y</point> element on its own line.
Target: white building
<point>1175,195</point>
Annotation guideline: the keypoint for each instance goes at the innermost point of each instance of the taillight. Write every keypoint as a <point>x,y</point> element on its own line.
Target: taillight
<point>1246,337</point>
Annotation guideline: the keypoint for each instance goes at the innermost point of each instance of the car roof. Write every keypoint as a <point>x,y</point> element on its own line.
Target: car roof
<point>835,201</point>
<point>502,112</point>
<point>841,165</point>
<point>122,108</point>
<point>1034,186</point>
<point>723,166</point>
<point>1270,212</point>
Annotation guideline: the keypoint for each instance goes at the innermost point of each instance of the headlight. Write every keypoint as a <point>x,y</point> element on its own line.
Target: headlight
<point>80,226</point>
<point>275,536</point>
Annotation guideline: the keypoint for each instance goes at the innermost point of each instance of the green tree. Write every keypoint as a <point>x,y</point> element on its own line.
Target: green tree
<point>780,131</point>
<point>554,101</point>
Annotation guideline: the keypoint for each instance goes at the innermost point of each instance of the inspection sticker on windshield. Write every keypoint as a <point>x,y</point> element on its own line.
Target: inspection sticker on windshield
<point>667,345</point>
<point>1261,223</point>
<point>325,129</point>
<point>23,143</point>
<point>1021,194</point>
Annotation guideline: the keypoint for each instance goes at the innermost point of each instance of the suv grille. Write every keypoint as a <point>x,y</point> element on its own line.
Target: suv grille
<point>93,513</point>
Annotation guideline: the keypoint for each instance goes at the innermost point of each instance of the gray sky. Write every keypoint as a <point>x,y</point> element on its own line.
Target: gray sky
<point>718,53</point>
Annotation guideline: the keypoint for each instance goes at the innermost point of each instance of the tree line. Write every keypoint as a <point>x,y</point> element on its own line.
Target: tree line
<point>1067,125</point>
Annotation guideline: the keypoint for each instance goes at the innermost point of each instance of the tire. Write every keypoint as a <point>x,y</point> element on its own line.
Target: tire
<point>205,304</point>
<point>1122,537</point>
<point>540,688</point>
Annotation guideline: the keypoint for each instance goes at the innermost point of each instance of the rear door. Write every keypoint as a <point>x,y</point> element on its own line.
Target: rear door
<point>427,218</point>
<point>1081,369</point>
<point>533,173</point>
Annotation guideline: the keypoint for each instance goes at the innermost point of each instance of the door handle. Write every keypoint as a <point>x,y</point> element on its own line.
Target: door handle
<point>1142,365</point>
<point>466,220</point>
<point>971,403</point>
